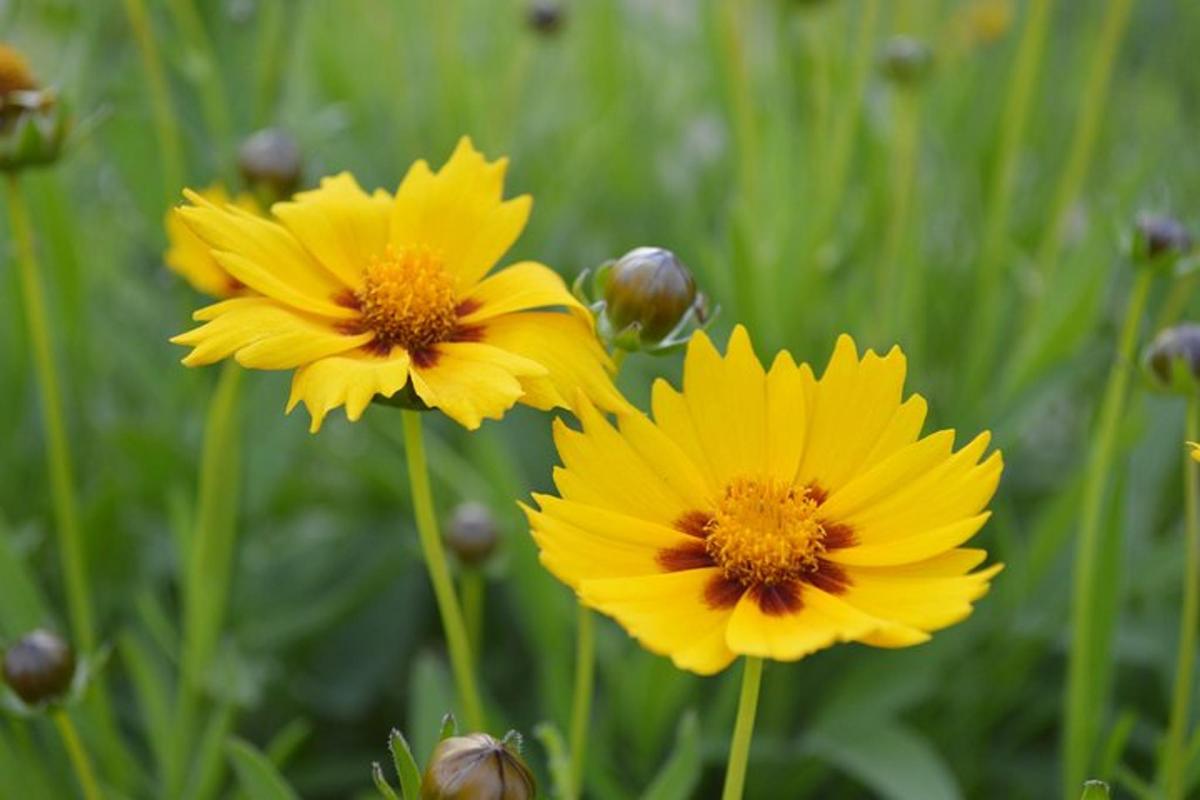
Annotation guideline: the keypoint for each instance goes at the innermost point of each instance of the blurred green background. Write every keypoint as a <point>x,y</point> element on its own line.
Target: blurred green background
<point>810,193</point>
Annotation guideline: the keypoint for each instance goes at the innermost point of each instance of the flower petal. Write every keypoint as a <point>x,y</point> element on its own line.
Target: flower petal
<point>351,380</point>
<point>522,286</point>
<point>469,381</point>
<point>189,256</point>
<point>903,595</point>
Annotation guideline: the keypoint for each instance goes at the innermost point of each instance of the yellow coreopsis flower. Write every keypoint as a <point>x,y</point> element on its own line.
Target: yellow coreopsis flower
<point>191,258</point>
<point>769,513</point>
<point>364,294</point>
<point>1194,450</point>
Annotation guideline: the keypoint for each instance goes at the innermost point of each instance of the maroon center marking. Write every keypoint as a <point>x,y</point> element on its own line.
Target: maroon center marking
<point>777,599</point>
<point>694,523</point>
<point>722,592</point>
<point>691,555</point>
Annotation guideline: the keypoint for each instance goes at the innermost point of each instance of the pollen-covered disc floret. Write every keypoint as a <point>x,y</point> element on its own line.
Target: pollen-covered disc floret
<point>408,298</point>
<point>765,532</point>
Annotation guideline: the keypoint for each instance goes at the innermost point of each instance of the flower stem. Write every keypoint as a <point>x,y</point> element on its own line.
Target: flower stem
<point>62,482</point>
<point>439,572</point>
<point>471,586</point>
<point>1089,651</point>
<point>743,730</point>
<point>79,757</point>
<point>581,703</point>
<point>905,144</point>
<point>1181,703</point>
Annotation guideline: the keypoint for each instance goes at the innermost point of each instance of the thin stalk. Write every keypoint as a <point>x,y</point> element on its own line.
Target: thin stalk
<point>1082,696</point>
<point>1181,703</point>
<point>743,730</point>
<point>208,81</point>
<point>80,761</point>
<point>62,481</point>
<point>439,571</point>
<point>165,125</point>
<point>904,173</point>
<point>1178,296</point>
<point>581,702</point>
<point>471,586</point>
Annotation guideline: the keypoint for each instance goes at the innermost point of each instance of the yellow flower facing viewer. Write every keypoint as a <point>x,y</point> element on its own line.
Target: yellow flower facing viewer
<point>188,256</point>
<point>768,513</point>
<point>364,294</point>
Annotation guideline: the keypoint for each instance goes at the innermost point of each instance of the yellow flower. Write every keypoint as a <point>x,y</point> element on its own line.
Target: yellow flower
<point>770,514</point>
<point>191,258</point>
<point>363,295</point>
<point>1194,450</point>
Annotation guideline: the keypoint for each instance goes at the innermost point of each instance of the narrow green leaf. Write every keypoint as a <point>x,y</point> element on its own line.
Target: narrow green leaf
<point>153,698</point>
<point>432,691</point>
<point>407,768</point>
<point>558,759</point>
<point>22,606</point>
<point>678,777</point>
<point>382,785</point>
<point>256,774</point>
<point>449,726</point>
<point>1095,790</point>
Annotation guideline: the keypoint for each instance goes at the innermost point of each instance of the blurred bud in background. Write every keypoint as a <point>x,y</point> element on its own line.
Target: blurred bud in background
<point>1160,242</point>
<point>906,61</point>
<point>33,121</point>
<point>478,767</point>
<point>39,668</point>
<point>472,533</point>
<point>545,17</point>
<point>1173,359</point>
<point>645,301</point>
<point>269,161</point>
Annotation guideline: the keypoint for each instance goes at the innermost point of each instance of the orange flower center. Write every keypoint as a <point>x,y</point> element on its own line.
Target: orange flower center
<point>765,532</point>
<point>408,299</point>
<point>14,72</point>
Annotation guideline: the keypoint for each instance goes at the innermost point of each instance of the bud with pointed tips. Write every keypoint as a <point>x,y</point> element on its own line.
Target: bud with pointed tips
<point>1173,359</point>
<point>33,122</point>
<point>477,767</point>
<point>269,161</point>
<point>39,668</point>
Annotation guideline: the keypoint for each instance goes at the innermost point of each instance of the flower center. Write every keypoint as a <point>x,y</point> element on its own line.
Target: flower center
<point>408,299</point>
<point>765,532</point>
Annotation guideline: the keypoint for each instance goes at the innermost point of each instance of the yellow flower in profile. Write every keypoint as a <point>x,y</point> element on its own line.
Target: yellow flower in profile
<point>1194,450</point>
<point>769,513</point>
<point>192,259</point>
<point>365,294</point>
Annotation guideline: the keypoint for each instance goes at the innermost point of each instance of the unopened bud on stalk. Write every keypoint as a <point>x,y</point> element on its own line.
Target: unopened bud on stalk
<point>1173,359</point>
<point>478,767</point>
<point>472,533</point>
<point>269,161</point>
<point>1160,241</point>
<point>545,16</point>
<point>33,122</point>
<point>39,668</point>
<point>906,61</point>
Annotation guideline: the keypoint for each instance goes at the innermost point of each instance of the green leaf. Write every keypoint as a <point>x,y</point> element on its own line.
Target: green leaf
<point>449,727</point>
<point>894,762</point>
<point>433,693</point>
<point>1095,790</point>
<point>680,774</point>
<point>22,606</point>
<point>256,774</point>
<point>407,768</point>
<point>558,759</point>
<point>382,784</point>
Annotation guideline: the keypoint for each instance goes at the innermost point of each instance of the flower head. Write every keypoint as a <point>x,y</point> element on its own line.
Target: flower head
<point>33,121</point>
<point>477,767</point>
<point>191,258</point>
<point>770,513</point>
<point>366,294</point>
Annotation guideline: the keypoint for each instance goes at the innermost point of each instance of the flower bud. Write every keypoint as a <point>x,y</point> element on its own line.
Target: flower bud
<point>477,767</point>
<point>39,667</point>
<point>545,16</point>
<point>1173,359</point>
<point>33,123</point>
<point>472,533</point>
<point>269,161</point>
<point>649,288</point>
<point>1160,240</point>
<point>15,75</point>
<point>906,61</point>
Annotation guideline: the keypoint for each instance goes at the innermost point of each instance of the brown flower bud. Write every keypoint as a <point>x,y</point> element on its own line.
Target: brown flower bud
<point>476,767</point>
<point>1173,359</point>
<point>269,161</point>
<point>15,75</point>
<point>650,288</point>
<point>39,667</point>
<point>545,16</point>
<point>33,123</point>
<point>472,533</point>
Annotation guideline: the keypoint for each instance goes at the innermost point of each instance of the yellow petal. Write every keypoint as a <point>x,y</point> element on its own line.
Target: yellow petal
<point>470,382</point>
<point>520,287</point>
<point>340,225</point>
<point>789,394</point>
<point>261,333</point>
<point>918,547</point>
<point>458,213</point>
<point>905,597</point>
<point>189,256</point>
<point>667,460</point>
<point>351,380</point>
<point>1194,450</point>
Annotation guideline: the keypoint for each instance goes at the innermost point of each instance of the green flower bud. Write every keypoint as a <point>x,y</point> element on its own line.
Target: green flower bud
<point>477,767</point>
<point>906,61</point>
<point>651,289</point>
<point>472,533</point>
<point>545,16</point>
<point>33,123</point>
<point>269,161</point>
<point>1160,241</point>
<point>1173,359</point>
<point>39,668</point>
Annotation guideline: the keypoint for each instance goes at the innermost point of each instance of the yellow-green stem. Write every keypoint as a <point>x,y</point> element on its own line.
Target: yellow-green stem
<point>165,124</point>
<point>471,585</point>
<point>79,757</point>
<point>62,481</point>
<point>904,172</point>
<point>1082,697</point>
<point>1181,703</point>
<point>581,702</point>
<point>743,729</point>
<point>439,571</point>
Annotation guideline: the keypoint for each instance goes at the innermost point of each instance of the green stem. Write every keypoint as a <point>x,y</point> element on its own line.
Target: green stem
<point>79,757</point>
<point>165,124</point>
<point>471,585</point>
<point>1088,657</point>
<point>743,729</point>
<point>439,571</point>
<point>1181,704</point>
<point>581,703</point>
<point>62,482</point>
<point>904,172</point>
